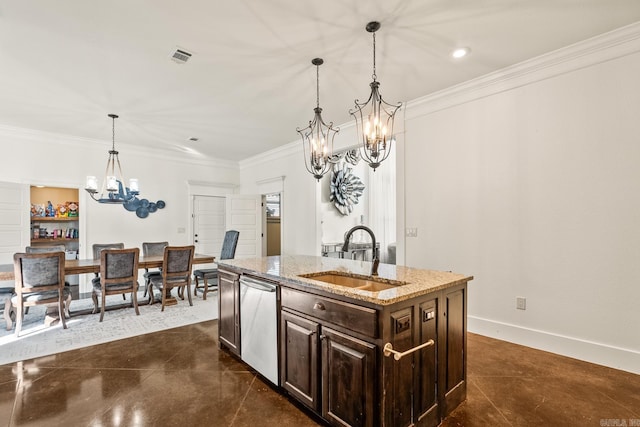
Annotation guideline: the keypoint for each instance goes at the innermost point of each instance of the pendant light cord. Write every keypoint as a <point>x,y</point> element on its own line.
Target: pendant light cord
<point>374,57</point>
<point>113,133</point>
<point>317,86</point>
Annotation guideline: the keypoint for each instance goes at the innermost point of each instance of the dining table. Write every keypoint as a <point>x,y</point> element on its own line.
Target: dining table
<point>86,266</point>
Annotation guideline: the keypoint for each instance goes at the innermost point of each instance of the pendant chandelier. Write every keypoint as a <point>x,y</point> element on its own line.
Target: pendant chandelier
<point>113,190</point>
<point>374,118</point>
<point>317,138</point>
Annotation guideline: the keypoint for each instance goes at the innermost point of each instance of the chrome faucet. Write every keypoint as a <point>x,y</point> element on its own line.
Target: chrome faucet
<point>345,247</point>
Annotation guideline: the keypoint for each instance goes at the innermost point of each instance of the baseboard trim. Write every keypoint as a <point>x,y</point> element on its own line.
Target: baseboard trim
<point>588,351</point>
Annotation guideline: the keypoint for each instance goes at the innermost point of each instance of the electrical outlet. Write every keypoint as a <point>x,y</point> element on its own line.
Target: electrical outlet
<point>521,303</point>
<point>181,230</point>
<point>428,315</point>
<point>403,324</point>
<point>411,232</point>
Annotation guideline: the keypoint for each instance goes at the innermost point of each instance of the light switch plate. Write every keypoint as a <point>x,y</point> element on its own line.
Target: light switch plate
<point>411,232</point>
<point>521,303</point>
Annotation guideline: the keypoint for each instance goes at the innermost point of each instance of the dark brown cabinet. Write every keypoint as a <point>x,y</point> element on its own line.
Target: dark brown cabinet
<point>339,381</point>
<point>299,349</point>
<point>453,344</point>
<point>412,380</point>
<point>348,379</point>
<point>332,353</point>
<point>229,310</point>
<point>426,379</point>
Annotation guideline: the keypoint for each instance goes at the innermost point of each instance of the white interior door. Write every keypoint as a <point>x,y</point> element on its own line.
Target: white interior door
<point>14,220</point>
<point>209,216</point>
<point>244,214</point>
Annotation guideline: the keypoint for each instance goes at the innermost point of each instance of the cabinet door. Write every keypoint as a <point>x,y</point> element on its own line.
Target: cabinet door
<point>229,309</point>
<point>454,349</point>
<point>348,379</point>
<point>299,358</point>
<point>426,411</point>
<point>400,378</point>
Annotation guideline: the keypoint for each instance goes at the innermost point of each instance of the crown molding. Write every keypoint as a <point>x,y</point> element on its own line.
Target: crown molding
<point>193,182</point>
<point>75,142</point>
<point>277,179</point>
<point>605,47</point>
<point>292,148</point>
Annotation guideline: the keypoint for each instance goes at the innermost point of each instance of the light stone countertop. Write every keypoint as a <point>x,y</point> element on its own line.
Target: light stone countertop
<point>289,267</point>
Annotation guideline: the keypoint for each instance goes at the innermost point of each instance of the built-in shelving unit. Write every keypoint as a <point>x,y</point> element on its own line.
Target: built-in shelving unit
<point>55,230</point>
<point>37,221</point>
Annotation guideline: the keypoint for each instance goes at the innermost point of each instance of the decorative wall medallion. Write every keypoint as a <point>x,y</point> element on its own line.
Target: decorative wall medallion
<point>143,207</point>
<point>346,188</point>
<point>352,156</point>
<point>336,157</point>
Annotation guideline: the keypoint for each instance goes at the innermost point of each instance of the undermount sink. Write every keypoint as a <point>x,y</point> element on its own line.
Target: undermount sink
<point>364,283</point>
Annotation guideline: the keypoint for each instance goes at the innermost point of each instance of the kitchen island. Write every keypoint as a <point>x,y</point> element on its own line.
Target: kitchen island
<point>361,350</point>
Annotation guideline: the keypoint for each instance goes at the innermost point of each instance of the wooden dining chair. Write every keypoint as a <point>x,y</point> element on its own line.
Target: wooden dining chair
<point>209,276</point>
<point>152,249</point>
<point>44,249</point>
<point>176,273</point>
<point>118,275</point>
<point>39,280</point>
<point>99,247</point>
<point>9,314</point>
<point>47,249</point>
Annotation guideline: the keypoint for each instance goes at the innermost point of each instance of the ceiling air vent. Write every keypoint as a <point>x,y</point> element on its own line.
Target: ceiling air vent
<point>180,56</point>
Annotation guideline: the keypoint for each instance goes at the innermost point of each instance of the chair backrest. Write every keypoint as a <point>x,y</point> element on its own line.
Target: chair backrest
<point>98,247</point>
<point>44,249</point>
<point>154,248</point>
<point>177,262</point>
<point>119,265</point>
<point>229,244</point>
<point>38,272</point>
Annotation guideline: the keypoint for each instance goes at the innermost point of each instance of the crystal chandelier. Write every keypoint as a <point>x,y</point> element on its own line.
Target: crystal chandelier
<point>374,118</point>
<point>113,190</point>
<point>317,138</point>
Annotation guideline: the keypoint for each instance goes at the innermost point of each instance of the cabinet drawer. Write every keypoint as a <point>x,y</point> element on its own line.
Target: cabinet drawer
<point>359,319</point>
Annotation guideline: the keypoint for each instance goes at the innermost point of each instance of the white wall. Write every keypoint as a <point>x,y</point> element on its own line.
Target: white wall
<point>309,218</point>
<point>333,223</point>
<point>298,202</point>
<point>532,187</point>
<point>31,157</point>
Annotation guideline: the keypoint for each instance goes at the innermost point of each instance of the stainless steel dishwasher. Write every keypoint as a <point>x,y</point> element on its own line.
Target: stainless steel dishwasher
<point>259,326</point>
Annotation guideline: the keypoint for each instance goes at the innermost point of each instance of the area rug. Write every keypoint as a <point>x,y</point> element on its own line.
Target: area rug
<point>84,330</point>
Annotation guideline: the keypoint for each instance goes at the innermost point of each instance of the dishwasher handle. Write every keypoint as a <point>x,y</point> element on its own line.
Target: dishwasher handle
<point>258,284</point>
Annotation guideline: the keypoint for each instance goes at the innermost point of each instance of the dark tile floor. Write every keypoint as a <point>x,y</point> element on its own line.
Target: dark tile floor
<point>179,377</point>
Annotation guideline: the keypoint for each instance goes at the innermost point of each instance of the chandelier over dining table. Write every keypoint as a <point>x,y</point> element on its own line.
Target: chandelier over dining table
<point>113,189</point>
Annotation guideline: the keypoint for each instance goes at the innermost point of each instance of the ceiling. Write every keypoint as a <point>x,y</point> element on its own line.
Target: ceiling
<point>66,64</point>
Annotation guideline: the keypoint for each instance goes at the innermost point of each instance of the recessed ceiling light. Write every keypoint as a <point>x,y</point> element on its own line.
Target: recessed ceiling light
<point>460,52</point>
